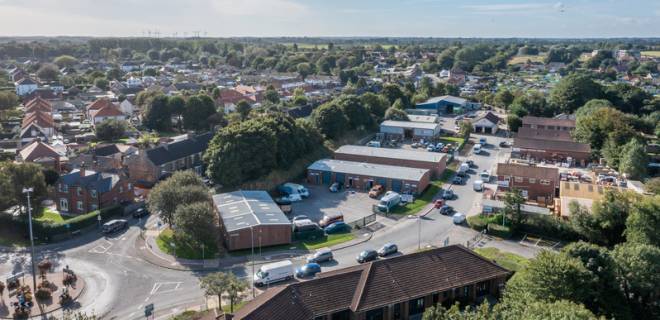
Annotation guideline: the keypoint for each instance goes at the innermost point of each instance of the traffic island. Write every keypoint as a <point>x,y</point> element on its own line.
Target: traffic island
<point>55,290</point>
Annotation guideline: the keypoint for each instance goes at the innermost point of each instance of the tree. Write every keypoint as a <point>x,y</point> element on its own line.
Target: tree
<point>23,175</point>
<point>634,160</point>
<point>652,186</point>
<point>438,312</point>
<point>602,124</point>
<point>643,222</point>
<point>465,129</point>
<point>182,187</point>
<point>215,284</point>
<point>503,98</point>
<point>542,310</point>
<point>393,93</point>
<point>50,176</point>
<point>512,202</point>
<point>110,129</point>
<point>396,114</point>
<point>375,104</point>
<point>243,108</point>
<point>8,100</point>
<point>156,115</point>
<point>304,69</point>
<point>638,272</point>
<point>330,120</point>
<point>101,83</point>
<point>65,61</point>
<point>196,221</point>
<point>48,72</point>
<point>357,115</point>
<point>607,222</point>
<point>235,290</point>
<point>176,106</point>
<point>514,122</point>
<point>198,110</point>
<point>6,198</point>
<point>114,74</point>
<point>574,91</point>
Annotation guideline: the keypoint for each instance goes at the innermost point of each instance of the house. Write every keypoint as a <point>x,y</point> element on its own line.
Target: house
<point>42,119</point>
<point>486,123</point>
<point>96,105</point>
<point>31,132</point>
<point>363,176</point>
<point>106,113</point>
<point>126,107</point>
<point>146,167</point>
<point>250,216</point>
<point>436,162</point>
<point>396,288</point>
<point>130,66</point>
<point>448,105</point>
<point>409,130</point>
<point>83,191</point>
<point>38,104</point>
<point>104,157</point>
<point>25,86</point>
<point>41,153</point>
<point>537,184</point>
<point>229,98</point>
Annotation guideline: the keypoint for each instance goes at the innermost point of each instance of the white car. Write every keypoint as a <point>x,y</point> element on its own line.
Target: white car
<point>485,175</point>
<point>458,218</point>
<point>478,186</point>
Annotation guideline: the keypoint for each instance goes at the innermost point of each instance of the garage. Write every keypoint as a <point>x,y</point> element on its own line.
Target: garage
<point>486,123</point>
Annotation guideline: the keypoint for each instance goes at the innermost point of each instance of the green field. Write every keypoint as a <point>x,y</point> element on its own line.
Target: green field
<point>524,58</point>
<point>183,250</point>
<point>507,260</point>
<point>655,54</point>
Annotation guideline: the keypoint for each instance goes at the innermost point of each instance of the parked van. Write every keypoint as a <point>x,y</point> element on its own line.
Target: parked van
<point>273,272</point>
<point>305,225</point>
<point>477,148</point>
<point>331,218</point>
<point>373,143</point>
<point>294,188</point>
<point>114,225</point>
<point>478,185</point>
<point>389,201</point>
<point>463,168</point>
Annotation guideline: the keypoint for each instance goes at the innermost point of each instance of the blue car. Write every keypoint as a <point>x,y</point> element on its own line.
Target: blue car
<point>308,270</point>
<point>337,227</point>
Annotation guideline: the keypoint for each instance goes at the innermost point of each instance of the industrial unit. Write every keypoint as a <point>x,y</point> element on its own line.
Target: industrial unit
<point>436,162</point>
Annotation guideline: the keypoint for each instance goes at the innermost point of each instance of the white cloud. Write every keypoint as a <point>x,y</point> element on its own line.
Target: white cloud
<point>271,8</point>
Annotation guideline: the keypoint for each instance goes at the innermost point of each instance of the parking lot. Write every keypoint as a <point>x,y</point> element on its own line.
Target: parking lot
<point>353,205</point>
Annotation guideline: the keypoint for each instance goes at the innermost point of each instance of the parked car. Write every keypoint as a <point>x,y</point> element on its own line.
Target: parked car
<point>477,148</point>
<point>374,144</point>
<point>273,272</point>
<point>446,210</point>
<point>140,213</point>
<point>387,249</point>
<point>448,194</point>
<point>331,218</point>
<point>389,201</point>
<point>430,148</point>
<point>367,255</point>
<point>457,180</point>
<point>308,270</point>
<point>321,255</point>
<point>470,163</point>
<point>504,144</point>
<point>294,188</point>
<point>305,225</point>
<point>458,218</point>
<point>337,227</point>
<point>478,185</point>
<point>114,226</point>
<point>289,197</point>
<point>448,148</point>
<point>438,203</point>
<point>376,191</point>
<point>485,175</point>
<point>334,187</point>
<point>300,217</point>
<point>463,168</point>
<point>415,145</point>
<point>482,141</point>
<point>439,146</point>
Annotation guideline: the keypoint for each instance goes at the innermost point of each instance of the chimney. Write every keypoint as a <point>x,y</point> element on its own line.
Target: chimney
<point>82,169</point>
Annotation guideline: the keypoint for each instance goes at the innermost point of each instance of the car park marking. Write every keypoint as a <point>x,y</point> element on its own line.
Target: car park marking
<point>169,287</point>
<point>102,248</point>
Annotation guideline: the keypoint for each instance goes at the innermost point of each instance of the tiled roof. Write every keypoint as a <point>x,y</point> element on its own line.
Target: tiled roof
<point>180,149</point>
<point>548,121</point>
<point>106,111</point>
<point>541,144</point>
<point>99,181</point>
<point>521,170</point>
<point>38,150</point>
<point>374,284</point>
<point>98,104</point>
<point>43,119</point>
<point>38,103</point>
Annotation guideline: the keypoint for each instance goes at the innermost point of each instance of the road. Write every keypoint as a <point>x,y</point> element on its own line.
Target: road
<point>120,284</point>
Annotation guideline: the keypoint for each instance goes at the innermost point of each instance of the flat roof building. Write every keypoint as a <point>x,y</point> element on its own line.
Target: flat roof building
<point>410,129</point>
<point>363,176</point>
<point>436,162</point>
<point>247,214</point>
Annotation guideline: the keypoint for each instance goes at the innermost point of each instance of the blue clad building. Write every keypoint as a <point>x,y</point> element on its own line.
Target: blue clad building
<point>448,105</point>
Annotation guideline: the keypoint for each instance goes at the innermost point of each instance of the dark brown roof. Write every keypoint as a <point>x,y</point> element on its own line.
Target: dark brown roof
<point>544,134</point>
<point>548,121</point>
<point>488,116</point>
<point>541,144</point>
<point>522,170</point>
<point>373,284</point>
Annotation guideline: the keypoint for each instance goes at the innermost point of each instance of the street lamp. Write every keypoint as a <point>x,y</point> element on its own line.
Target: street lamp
<point>34,270</point>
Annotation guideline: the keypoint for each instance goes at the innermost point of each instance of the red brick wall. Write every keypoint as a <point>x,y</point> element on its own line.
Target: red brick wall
<point>580,158</point>
<point>103,200</point>
<point>270,236</point>
<point>534,190</point>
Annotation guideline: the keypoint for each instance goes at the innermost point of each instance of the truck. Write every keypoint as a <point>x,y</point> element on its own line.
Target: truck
<point>389,201</point>
<point>273,272</point>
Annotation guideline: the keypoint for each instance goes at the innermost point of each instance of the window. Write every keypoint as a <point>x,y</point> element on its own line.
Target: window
<point>545,182</point>
<point>79,205</point>
<point>93,193</point>
<point>518,179</point>
<point>64,187</point>
<point>130,186</point>
<point>121,189</point>
<point>466,291</point>
<point>79,191</point>
<point>507,178</point>
<point>376,314</point>
<point>397,312</point>
<point>64,204</point>
<point>416,306</point>
<point>532,180</point>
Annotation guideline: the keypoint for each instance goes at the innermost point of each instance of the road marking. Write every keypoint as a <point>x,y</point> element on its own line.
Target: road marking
<point>147,299</point>
<point>165,286</point>
<point>102,248</point>
<point>131,315</point>
<point>140,306</point>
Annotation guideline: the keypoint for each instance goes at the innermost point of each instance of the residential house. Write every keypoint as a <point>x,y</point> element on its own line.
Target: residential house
<point>127,107</point>
<point>385,289</point>
<point>41,153</point>
<point>146,167</point>
<point>229,98</point>
<point>130,66</point>
<point>83,191</point>
<point>106,113</point>
<point>537,184</point>
<point>25,86</point>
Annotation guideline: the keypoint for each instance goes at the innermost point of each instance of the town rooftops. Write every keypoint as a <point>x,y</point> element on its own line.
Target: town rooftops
<point>524,208</point>
<point>423,118</point>
<point>99,181</point>
<point>368,169</point>
<point>541,144</point>
<point>544,134</point>
<point>402,154</point>
<point>38,150</point>
<point>179,149</point>
<point>410,124</point>
<point>243,209</point>
<point>26,81</point>
<point>373,284</point>
<point>529,120</point>
<point>521,170</point>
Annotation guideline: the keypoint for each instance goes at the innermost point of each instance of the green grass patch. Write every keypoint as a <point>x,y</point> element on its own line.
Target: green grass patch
<point>654,54</point>
<point>507,260</point>
<point>420,202</point>
<point>48,215</point>
<point>449,172</point>
<point>330,240</point>
<point>183,249</point>
<point>226,308</point>
<point>523,59</point>
<point>481,221</point>
<point>452,140</point>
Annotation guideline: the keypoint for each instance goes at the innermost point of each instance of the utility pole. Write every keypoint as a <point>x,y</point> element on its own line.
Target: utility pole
<point>34,271</point>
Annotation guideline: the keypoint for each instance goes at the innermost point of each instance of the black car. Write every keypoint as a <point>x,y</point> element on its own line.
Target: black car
<point>140,213</point>
<point>504,144</point>
<point>457,180</point>
<point>446,210</point>
<point>367,255</point>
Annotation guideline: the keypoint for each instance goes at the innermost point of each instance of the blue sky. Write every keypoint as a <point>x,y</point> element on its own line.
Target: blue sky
<point>427,18</point>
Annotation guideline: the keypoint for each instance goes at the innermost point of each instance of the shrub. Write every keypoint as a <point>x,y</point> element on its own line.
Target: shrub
<point>69,279</point>
<point>79,222</point>
<point>549,226</point>
<point>43,293</point>
<point>499,230</point>
<point>478,222</point>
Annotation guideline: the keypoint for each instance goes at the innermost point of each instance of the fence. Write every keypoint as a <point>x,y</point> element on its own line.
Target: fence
<point>361,223</point>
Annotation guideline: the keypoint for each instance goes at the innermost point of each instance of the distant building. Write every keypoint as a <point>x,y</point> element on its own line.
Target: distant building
<point>41,153</point>
<point>436,162</point>
<point>487,123</point>
<point>538,184</point>
<point>25,86</point>
<point>448,105</point>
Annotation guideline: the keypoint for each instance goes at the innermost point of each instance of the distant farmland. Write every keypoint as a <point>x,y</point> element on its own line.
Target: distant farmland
<point>523,59</point>
<point>655,54</point>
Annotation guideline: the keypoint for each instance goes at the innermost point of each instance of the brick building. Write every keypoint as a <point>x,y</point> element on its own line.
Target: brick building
<point>551,150</point>
<point>536,183</point>
<point>251,218</point>
<point>409,130</point>
<point>398,288</point>
<point>83,191</point>
<point>548,123</point>
<point>363,176</point>
<point>436,162</point>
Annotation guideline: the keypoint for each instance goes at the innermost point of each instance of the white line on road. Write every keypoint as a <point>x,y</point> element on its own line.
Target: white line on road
<point>140,306</point>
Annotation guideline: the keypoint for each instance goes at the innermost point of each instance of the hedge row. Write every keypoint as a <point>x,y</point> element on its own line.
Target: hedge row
<point>499,231</point>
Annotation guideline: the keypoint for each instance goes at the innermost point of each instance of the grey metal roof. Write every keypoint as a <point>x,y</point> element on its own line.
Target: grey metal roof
<point>402,154</point>
<point>368,169</point>
<point>410,124</point>
<point>244,209</point>
<point>451,99</point>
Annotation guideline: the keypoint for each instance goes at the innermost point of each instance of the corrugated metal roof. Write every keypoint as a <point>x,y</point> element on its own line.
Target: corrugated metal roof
<point>402,154</point>
<point>410,124</point>
<point>368,169</point>
<point>244,209</point>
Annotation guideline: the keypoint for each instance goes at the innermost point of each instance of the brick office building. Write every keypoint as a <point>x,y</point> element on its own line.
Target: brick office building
<point>436,162</point>
<point>551,150</point>
<point>82,191</point>
<point>398,288</point>
<point>548,123</point>
<point>536,183</point>
<point>363,176</point>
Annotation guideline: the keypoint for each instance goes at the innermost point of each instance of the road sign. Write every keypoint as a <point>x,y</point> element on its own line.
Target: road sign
<point>148,309</point>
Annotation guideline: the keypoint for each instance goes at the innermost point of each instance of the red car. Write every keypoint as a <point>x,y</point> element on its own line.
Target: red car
<point>438,203</point>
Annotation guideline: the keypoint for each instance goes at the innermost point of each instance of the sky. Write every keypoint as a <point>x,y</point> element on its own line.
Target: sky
<point>383,18</point>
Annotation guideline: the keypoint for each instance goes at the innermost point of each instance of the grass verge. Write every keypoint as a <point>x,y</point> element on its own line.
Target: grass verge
<point>226,308</point>
<point>48,215</point>
<point>182,249</point>
<point>330,240</point>
<point>420,202</point>
<point>507,260</point>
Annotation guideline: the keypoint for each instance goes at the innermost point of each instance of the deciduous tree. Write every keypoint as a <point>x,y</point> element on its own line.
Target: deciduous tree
<point>110,129</point>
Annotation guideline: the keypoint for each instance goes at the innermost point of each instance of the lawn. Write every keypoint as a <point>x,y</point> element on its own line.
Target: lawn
<point>226,308</point>
<point>507,260</point>
<point>420,202</point>
<point>523,59</point>
<point>183,249</point>
<point>449,171</point>
<point>330,240</point>
<point>654,54</point>
<point>48,215</point>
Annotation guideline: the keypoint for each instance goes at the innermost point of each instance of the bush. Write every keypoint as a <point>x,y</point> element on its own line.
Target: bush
<point>499,230</point>
<point>478,222</point>
<point>69,279</point>
<point>43,293</point>
<point>550,227</point>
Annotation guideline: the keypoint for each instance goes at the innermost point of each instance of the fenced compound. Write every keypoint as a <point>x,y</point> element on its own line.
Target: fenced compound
<point>362,222</point>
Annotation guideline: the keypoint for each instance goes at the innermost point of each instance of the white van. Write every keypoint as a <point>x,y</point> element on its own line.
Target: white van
<point>388,201</point>
<point>477,148</point>
<point>478,185</point>
<point>374,144</point>
<point>273,272</point>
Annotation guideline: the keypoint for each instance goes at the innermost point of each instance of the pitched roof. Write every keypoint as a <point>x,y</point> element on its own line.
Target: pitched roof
<point>38,103</point>
<point>179,149</point>
<point>38,150</point>
<point>544,134</point>
<point>541,144</point>
<point>521,170</point>
<point>548,121</point>
<point>106,111</point>
<point>43,119</point>
<point>374,284</point>
<point>26,81</point>
<point>99,181</point>
<point>98,104</point>
<point>488,116</point>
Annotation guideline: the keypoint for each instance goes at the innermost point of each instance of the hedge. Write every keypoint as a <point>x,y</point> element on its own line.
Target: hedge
<point>499,230</point>
<point>477,222</point>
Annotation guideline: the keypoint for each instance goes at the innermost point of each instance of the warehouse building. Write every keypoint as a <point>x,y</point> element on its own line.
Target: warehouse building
<point>250,218</point>
<point>363,176</point>
<point>409,129</point>
<point>436,162</point>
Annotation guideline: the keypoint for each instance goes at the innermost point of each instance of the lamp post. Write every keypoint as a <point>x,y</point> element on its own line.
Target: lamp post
<point>252,245</point>
<point>419,232</point>
<point>34,271</point>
